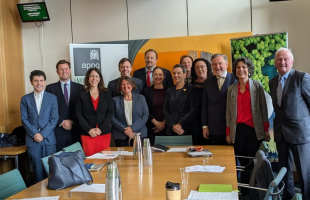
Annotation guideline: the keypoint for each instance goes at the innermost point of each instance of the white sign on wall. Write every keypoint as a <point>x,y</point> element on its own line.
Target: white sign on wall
<point>102,56</point>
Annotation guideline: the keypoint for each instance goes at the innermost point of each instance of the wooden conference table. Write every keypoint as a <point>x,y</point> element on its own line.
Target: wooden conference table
<point>12,152</point>
<point>149,182</point>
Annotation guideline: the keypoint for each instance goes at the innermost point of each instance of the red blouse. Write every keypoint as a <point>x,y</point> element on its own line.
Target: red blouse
<point>244,109</point>
<point>95,104</point>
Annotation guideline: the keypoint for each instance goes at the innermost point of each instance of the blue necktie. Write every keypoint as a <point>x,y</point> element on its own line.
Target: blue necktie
<point>66,93</point>
<point>280,90</point>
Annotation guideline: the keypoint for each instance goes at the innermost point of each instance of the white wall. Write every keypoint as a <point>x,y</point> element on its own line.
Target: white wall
<point>106,20</point>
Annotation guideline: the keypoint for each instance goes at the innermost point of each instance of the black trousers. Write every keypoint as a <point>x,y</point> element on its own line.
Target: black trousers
<point>246,144</point>
<point>300,153</point>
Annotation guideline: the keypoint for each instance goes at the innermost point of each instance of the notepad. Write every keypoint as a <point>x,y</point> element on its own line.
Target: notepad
<point>89,165</point>
<point>215,188</point>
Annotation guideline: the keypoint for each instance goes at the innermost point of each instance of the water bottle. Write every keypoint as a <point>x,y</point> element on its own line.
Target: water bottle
<point>113,189</point>
<point>147,153</point>
<point>137,149</point>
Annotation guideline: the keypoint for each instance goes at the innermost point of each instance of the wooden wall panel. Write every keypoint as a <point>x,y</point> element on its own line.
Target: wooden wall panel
<point>12,83</point>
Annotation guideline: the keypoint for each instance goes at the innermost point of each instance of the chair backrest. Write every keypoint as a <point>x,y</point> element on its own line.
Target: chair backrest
<point>182,140</point>
<point>274,184</point>
<point>74,147</point>
<point>45,162</point>
<point>11,183</point>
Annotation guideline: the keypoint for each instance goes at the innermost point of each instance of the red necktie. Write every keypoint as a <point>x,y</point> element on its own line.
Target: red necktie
<point>148,79</point>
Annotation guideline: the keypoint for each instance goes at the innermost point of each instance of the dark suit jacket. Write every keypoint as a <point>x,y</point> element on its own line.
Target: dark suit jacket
<point>140,114</point>
<point>66,111</point>
<point>88,117</point>
<point>293,117</point>
<point>112,87</point>
<point>43,123</point>
<point>182,110</point>
<point>141,74</point>
<point>213,109</point>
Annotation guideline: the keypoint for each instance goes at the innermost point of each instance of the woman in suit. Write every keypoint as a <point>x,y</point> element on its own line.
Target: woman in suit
<point>201,71</point>
<point>155,99</point>
<point>130,113</point>
<point>246,113</point>
<point>94,112</point>
<point>181,105</point>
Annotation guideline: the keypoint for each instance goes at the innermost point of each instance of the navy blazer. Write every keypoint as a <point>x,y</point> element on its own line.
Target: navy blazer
<point>213,109</point>
<point>88,117</point>
<point>140,114</point>
<point>293,117</point>
<point>43,123</point>
<point>65,111</point>
<point>182,110</point>
<point>141,74</point>
<point>112,87</point>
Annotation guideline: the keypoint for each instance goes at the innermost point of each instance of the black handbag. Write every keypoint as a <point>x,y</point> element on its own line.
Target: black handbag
<point>67,169</point>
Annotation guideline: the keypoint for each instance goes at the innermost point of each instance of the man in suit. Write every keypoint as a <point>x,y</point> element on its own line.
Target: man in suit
<point>39,116</point>
<point>213,110</point>
<point>146,73</point>
<point>290,93</point>
<point>67,129</point>
<point>124,67</point>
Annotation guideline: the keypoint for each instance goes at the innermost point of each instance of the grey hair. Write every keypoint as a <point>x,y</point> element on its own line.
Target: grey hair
<point>284,49</point>
<point>218,55</point>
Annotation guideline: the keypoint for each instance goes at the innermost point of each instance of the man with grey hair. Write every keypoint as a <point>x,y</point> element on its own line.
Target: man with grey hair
<point>213,110</point>
<point>290,93</point>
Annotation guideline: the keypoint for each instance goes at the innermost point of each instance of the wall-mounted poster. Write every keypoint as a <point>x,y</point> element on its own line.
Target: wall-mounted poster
<point>261,50</point>
<point>102,56</point>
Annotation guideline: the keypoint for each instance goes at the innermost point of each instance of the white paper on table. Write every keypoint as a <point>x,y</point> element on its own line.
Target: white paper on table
<point>94,188</point>
<point>177,150</point>
<point>213,195</point>
<point>127,153</point>
<point>102,156</point>
<point>206,168</point>
<point>42,198</point>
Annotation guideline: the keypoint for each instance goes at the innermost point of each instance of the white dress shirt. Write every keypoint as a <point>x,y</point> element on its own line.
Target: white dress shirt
<point>38,99</point>
<point>128,112</point>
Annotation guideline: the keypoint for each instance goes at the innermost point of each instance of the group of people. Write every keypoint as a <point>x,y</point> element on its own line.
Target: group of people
<point>200,98</point>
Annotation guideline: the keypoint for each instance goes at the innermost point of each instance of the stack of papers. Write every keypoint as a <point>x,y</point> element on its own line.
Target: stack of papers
<point>206,168</point>
<point>94,188</point>
<point>109,154</point>
<point>177,150</point>
<point>42,198</point>
<point>213,195</point>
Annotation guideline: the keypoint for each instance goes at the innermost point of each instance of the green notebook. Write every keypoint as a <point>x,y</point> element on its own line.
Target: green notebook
<point>215,188</point>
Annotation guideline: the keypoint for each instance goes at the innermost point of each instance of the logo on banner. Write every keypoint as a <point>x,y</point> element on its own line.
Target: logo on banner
<point>84,59</point>
<point>94,54</point>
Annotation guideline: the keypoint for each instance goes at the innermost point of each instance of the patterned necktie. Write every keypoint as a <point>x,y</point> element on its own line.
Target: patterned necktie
<point>220,82</point>
<point>280,90</point>
<point>148,80</point>
<point>66,93</point>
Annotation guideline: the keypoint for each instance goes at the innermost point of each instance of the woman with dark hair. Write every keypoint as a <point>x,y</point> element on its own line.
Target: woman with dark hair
<point>181,105</point>
<point>201,71</point>
<point>130,113</point>
<point>155,99</point>
<point>246,113</point>
<point>94,112</point>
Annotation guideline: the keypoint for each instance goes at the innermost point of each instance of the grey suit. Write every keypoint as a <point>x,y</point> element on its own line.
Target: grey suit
<point>292,129</point>
<point>43,123</point>
<point>258,106</point>
<point>140,114</point>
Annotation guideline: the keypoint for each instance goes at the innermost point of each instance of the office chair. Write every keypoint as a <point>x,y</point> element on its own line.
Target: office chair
<point>45,161</point>
<point>183,140</point>
<point>74,147</point>
<point>11,183</point>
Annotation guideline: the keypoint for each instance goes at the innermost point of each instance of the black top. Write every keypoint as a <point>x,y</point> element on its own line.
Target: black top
<point>88,117</point>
